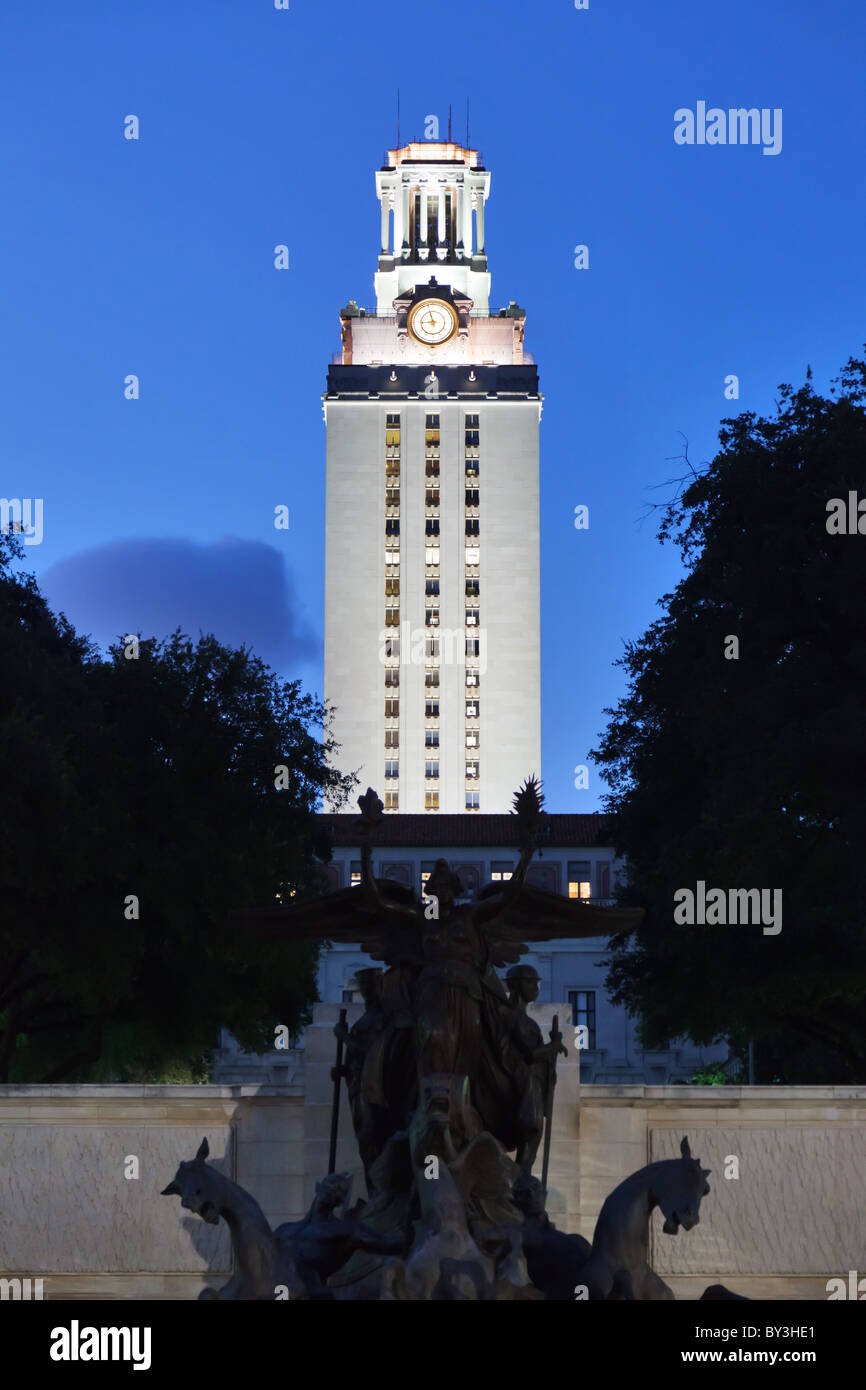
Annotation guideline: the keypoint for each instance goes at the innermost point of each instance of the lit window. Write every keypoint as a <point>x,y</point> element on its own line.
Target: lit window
<point>427,865</point>
<point>579,880</point>
<point>392,801</point>
<point>472,740</point>
<point>501,871</point>
<point>355,873</point>
<point>471,617</point>
<point>392,617</point>
<point>472,470</point>
<point>473,553</point>
<point>471,770</point>
<point>431,555</point>
<point>431,617</point>
<point>392,497</point>
<point>392,588</point>
<point>472,678</point>
<point>392,557</point>
<point>472,709</point>
<point>431,801</point>
<point>392,709</point>
<point>392,738</point>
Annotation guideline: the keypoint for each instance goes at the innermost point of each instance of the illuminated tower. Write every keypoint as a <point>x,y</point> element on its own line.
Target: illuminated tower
<point>432,553</point>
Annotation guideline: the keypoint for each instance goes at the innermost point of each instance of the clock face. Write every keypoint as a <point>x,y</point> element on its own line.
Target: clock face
<point>432,322</point>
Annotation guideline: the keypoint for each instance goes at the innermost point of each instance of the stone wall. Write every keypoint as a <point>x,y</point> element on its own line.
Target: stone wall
<point>795,1216</point>
<point>68,1212</point>
<point>793,1219</point>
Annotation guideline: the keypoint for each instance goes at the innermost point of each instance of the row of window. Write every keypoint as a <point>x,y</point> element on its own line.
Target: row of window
<point>432,436</point>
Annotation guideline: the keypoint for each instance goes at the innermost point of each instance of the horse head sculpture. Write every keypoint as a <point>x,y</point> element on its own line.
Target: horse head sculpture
<point>680,1189</point>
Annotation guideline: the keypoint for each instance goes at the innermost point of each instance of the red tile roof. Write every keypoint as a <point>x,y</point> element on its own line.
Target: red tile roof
<point>566,831</point>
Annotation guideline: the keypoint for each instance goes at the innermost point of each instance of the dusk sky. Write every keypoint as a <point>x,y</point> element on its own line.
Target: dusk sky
<point>258,127</point>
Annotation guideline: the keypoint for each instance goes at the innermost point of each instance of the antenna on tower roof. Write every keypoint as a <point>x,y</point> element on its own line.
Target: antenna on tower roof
<point>398,118</point>
<point>449,123</point>
<point>467,123</point>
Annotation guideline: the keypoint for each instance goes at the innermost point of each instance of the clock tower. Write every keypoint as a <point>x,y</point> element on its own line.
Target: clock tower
<point>432,554</point>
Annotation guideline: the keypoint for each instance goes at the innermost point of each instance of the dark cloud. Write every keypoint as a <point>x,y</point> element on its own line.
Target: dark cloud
<point>239,590</point>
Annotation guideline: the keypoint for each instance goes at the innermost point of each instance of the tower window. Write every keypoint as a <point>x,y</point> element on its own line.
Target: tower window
<point>431,709</point>
<point>432,468</point>
<point>431,768</point>
<point>392,527</point>
<point>431,738</point>
<point>392,768</point>
<point>392,709</point>
<point>431,801</point>
<point>471,497</point>
<point>471,678</point>
<point>471,770</point>
<point>472,470</point>
<point>431,679</point>
<point>392,738</point>
<point>431,588</point>
<point>473,709</point>
<point>392,588</point>
<point>471,617</point>
<point>472,799</point>
<point>392,801</point>
<point>473,527</point>
<point>431,526</point>
<point>392,676</point>
<point>431,555</point>
<point>473,554</point>
<point>472,588</point>
<point>473,645</point>
<point>431,617</point>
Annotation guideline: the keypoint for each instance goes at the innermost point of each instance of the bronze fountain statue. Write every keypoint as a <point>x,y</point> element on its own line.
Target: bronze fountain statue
<point>447,1075</point>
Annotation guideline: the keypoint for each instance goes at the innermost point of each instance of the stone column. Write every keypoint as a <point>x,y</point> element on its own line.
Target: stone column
<point>404,220</point>
<point>441,214</point>
<point>386,204</point>
<point>467,220</point>
<point>479,250</point>
<point>422,238</point>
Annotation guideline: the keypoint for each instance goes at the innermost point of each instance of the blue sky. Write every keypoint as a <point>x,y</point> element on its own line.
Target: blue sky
<point>260,127</point>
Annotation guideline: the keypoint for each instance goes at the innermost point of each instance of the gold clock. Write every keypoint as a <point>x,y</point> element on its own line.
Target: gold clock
<point>432,322</point>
